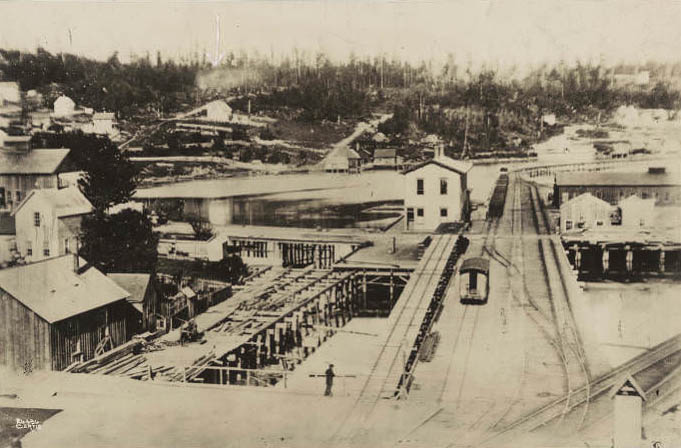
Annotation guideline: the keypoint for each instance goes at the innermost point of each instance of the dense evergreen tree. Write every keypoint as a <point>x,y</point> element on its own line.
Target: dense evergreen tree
<point>123,242</point>
<point>109,176</point>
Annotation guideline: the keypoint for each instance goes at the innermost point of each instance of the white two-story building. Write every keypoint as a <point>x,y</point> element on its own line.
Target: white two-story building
<point>48,222</point>
<point>436,192</point>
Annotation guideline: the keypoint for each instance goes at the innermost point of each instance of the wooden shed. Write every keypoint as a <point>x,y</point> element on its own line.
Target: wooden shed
<point>58,311</point>
<point>143,295</point>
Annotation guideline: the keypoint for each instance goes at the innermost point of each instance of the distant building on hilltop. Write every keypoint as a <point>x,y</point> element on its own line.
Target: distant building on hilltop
<point>9,92</point>
<point>436,192</point>
<point>64,106</point>
<point>103,123</point>
<point>386,158</point>
<point>216,111</point>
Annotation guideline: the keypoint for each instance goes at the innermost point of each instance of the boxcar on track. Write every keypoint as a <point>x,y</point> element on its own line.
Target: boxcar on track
<point>474,280</point>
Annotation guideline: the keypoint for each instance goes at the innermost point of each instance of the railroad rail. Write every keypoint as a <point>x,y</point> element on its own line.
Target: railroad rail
<point>592,388</point>
<point>405,325</point>
<point>598,386</point>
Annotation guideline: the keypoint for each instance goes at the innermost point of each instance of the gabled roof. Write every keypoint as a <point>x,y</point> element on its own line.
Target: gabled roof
<point>586,197</point>
<point>627,385</point>
<point>65,201</point>
<point>387,153</point>
<point>343,152</point>
<point>635,201</point>
<point>458,166</point>
<point>135,284</point>
<point>36,161</point>
<point>53,290</point>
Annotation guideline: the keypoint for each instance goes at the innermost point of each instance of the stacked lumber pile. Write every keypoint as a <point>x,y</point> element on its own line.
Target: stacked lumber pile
<point>126,360</point>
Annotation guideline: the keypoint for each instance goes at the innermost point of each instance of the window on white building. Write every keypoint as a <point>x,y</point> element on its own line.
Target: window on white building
<point>443,212</point>
<point>46,248</point>
<point>568,224</point>
<point>18,196</point>
<point>2,198</point>
<point>419,186</point>
<point>419,212</point>
<point>67,246</point>
<point>36,219</point>
<point>443,186</point>
<point>29,248</point>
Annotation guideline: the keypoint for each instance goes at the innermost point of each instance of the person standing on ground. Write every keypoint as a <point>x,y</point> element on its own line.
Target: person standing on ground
<point>329,380</point>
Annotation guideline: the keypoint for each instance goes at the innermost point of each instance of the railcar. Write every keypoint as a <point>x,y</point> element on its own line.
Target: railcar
<point>474,281</point>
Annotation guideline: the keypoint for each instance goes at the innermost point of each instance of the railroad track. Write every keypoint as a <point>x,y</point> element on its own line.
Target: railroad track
<point>560,328</point>
<point>400,325</point>
<point>600,385</point>
<point>568,335</point>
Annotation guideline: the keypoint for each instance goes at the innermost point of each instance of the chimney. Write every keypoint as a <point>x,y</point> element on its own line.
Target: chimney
<point>439,151</point>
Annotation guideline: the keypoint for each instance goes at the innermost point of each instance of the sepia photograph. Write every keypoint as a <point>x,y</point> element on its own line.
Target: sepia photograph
<point>340,224</point>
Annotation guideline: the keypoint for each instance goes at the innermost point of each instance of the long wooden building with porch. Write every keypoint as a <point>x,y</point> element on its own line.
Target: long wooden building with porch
<point>58,311</point>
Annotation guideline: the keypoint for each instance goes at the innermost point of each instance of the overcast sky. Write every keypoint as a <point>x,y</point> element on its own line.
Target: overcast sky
<point>504,32</point>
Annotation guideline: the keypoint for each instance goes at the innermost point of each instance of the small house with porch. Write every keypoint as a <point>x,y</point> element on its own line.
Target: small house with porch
<point>342,159</point>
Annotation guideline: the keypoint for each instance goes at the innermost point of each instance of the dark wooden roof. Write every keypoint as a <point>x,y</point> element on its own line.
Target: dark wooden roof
<point>475,264</point>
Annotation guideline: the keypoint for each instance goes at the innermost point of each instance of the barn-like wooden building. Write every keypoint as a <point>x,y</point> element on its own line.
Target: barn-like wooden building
<point>60,310</point>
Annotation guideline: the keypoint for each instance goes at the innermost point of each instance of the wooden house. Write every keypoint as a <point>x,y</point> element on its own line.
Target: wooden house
<point>436,192</point>
<point>143,296</point>
<point>342,159</point>
<point>58,311</point>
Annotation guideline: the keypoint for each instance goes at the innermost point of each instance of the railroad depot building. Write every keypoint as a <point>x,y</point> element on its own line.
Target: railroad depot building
<point>436,192</point>
<point>58,311</point>
<point>613,187</point>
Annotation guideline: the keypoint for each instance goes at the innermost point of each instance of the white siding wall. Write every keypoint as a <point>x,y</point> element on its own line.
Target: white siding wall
<point>432,201</point>
<point>31,236</point>
<point>52,230</point>
<point>592,210</point>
